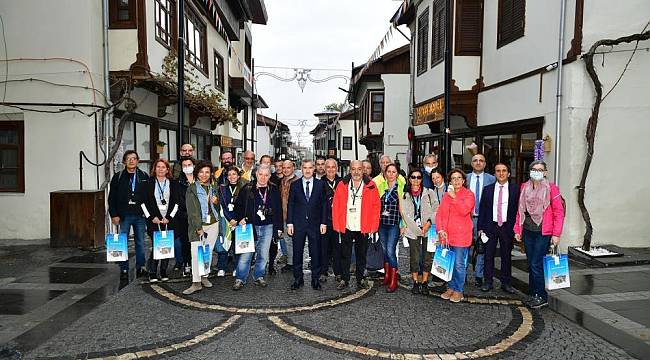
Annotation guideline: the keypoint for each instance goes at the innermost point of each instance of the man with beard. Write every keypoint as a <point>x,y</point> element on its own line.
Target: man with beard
<point>221,173</point>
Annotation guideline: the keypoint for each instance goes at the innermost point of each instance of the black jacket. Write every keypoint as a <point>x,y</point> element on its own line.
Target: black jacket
<point>246,206</point>
<point>329,197</point>
<point>120,194</point>
<point>307,215</point>
<point>149,205</point>
<point>485,220</point>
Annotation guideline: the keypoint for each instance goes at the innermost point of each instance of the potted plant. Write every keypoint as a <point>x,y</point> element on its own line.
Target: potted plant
<point>160,147</point>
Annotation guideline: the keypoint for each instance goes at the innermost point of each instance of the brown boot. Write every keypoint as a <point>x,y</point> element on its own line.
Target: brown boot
<point>447,294</point>
<point>196,286</point>
<point>393,280</point>
<point>386,274</point>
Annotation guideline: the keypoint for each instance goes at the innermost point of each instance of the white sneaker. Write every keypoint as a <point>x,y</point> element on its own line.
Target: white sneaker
<point>234,273</point>
<point>221,273</point>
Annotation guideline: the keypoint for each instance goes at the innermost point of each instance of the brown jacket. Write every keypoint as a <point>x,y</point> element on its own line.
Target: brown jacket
<point>285,186</point>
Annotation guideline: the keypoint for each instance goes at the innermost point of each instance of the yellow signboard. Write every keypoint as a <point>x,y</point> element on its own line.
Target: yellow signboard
<point>431,111</point>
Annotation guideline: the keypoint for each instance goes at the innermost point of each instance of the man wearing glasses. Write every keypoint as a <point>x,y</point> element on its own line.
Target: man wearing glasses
<point>124,200</point>
<point>221,173</point>
<point>248,167</point>
<point>187,150</point>
<point>477,180</point>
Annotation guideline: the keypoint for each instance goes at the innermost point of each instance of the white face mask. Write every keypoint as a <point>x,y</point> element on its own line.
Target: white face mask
<point>428,168</point>
<point>188,170</point>
<point>536,175</point>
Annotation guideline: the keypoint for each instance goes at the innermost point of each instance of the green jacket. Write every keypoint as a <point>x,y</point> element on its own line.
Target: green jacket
<point>194,220</point>
<point>382,185</point>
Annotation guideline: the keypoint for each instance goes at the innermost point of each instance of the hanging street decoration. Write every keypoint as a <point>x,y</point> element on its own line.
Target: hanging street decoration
<point>301,75</point>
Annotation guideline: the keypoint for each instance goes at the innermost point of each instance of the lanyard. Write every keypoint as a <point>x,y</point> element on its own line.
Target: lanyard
<point>387,194</point>
<point>133,180</point>
<point>332,184</point>
<point>208,196</point>
<point>416,202</point>
<point>438,193</point>
<point>354,192</point>
<point>161,190</point>
<point>232,192</point>
<point>266,193</point>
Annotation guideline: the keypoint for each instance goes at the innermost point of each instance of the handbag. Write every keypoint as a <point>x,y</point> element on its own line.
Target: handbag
<point>374,254</point>
<point>117,247</point>
<point>556,270</point>
<point>432,239</point>
<point>443,263</point>
<point>244,239</point>
<point>204,255</point>
<point>163,244</point>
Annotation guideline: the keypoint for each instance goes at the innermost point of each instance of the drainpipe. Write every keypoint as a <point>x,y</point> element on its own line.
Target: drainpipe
<point>107,92</point>
<point>558,96</point>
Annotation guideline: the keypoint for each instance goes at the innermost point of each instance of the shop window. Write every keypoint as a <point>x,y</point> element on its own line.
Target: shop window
<point>12,148</point>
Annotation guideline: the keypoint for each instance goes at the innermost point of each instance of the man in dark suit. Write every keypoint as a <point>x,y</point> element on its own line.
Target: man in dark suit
<point>306,216</point>
<point>496,220</point>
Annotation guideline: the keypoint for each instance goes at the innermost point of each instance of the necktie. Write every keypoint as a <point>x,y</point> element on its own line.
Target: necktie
<point>499,209</point>
<point>477,192</point>
<point>307,191</point>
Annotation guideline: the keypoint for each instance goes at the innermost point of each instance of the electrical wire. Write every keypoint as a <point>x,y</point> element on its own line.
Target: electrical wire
<point>55,84</point>
<point>4,40</point>
<point>296,67</point>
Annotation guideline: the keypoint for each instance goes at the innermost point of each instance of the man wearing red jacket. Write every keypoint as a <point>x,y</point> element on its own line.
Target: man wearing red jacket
<point>355,214</point>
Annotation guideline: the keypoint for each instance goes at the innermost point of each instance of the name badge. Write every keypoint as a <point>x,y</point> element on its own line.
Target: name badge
<point>386,213</point>
<point>162,207</point>
<point>131,202</point>
<point>353,210</point>
<point>418,222</point>
<point>231,207</point>
<point>260,213</point>
<point>207,219</point>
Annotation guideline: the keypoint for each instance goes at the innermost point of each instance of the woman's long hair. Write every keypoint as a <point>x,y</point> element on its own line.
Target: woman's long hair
<point>407,188</point>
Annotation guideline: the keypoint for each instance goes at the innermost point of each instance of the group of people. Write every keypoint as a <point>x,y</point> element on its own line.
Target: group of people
<point>336,218</point>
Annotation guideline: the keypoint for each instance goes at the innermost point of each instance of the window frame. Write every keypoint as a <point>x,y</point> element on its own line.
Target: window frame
<point>437,17</point>
<point>344,145</point>
<point>113,15</point>
<point>372,105</point>
<point>191,15</point>
<point>502,23</point>
<point>219,72</point>
<point>422,44</point>
<point>18,126</point>
<point>171,18</point>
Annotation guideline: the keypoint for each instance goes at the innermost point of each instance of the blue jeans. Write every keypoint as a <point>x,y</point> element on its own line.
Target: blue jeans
<point>389,236</point>
<point>264,234</point>
<point>283,246</point>
<point>222,260</point>
<point>480,258</point>
<point>139,226</point>
<point>537,246</point>
<point>457,282</point>
<point>178,252</point>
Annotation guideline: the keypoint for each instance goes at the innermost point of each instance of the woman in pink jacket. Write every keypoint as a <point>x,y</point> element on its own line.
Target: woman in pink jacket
<point>454,226</point>
<point>540,218</point>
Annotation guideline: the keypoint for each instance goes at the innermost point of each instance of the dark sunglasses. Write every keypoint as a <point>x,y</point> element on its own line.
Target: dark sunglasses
<point>415,177</point>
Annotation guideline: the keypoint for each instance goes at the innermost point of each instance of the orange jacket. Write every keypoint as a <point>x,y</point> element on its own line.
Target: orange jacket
<point>370,206</point>
<point>454,216</point>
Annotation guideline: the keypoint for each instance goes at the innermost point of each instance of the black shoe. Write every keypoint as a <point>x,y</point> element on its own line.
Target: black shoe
<point>323,278</point>
<point>486,287</point>
<point>316,285</point>
<point>424,289</point>
<point>363,284</point>
<point>177,268</point>
<point>272,271</point>
<point>141,272</point>
<point>286,268</point>
<point>508,288</point>
<point>416,288</point>
<point>163,275</point>
<point>124,274</point>
<point>537,302</point>
<point>337,278</point>
<point>478,282</point>
<point>297,285</point>
<point>153,278</point>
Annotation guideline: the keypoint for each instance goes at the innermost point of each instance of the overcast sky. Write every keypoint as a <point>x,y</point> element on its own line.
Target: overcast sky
<point>327,34</point>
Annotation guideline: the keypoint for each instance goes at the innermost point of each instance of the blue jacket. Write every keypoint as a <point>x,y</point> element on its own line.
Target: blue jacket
<point>307,215</point>
<point>486,212</point>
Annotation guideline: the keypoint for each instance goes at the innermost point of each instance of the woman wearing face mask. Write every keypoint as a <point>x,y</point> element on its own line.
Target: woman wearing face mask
<point>438,187</point>
<point>540,219</point>
<point>181,241</point>
<point>202,202</point>
<point>228,194</point>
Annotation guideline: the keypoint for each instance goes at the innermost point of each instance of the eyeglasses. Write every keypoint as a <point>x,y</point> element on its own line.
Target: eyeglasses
<point>538,170</point>
<point>249,158</point>
<point>415,177</point>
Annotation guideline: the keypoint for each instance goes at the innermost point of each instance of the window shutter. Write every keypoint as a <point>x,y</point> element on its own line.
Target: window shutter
<point>423,41</point>
<point>512,14</point>
<point>469,27</point>
<point>518,18</point>
<point>438,32</point>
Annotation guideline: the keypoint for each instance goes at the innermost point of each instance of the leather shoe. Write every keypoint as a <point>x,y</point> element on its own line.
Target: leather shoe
<point>478,282</point>
<point>486,287</point>
<point>297,285</point>
<point>316,285</point>
<point>508,288</point>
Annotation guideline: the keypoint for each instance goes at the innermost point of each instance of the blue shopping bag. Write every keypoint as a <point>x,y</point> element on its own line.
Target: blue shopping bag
<point>556,271</point>
<point>163,244</point>
<point>432,239</point>
<point>443,263</point>
<point>204,255</point>
<point>117,247</point>
<point>244,240</point>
